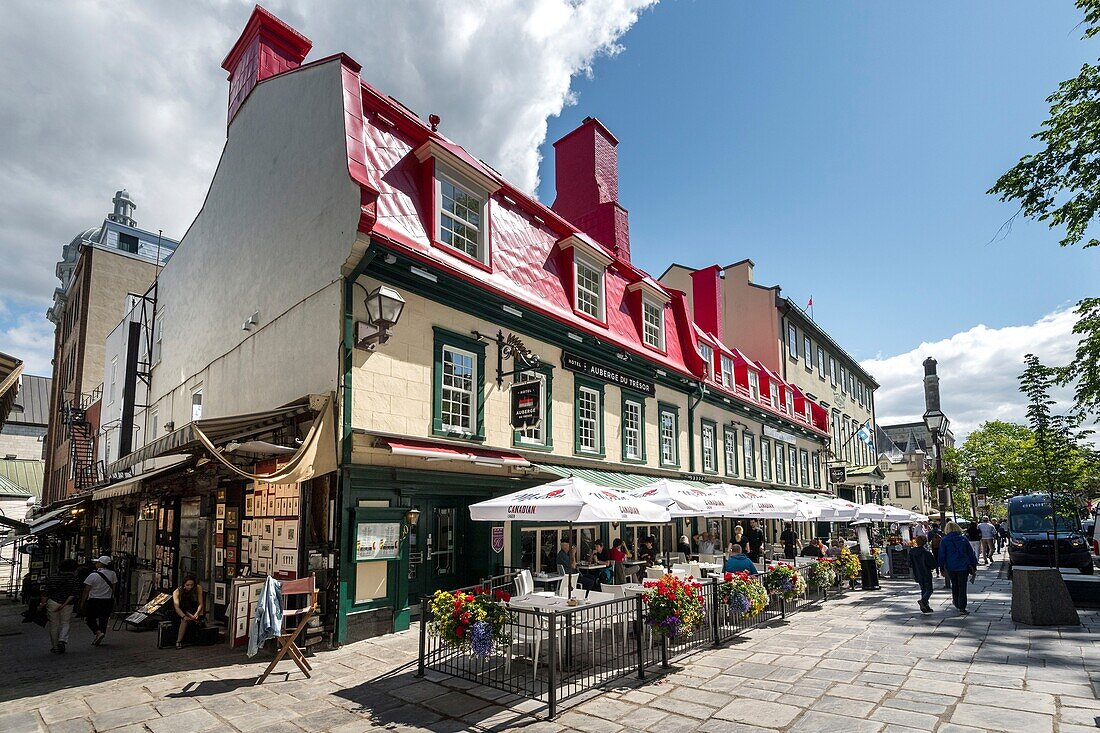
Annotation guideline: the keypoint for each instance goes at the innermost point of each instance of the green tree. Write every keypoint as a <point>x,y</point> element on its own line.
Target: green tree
<point>1060,185</point>
<point>1003,454</point>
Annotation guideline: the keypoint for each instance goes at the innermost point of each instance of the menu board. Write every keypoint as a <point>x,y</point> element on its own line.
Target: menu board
<point>377,540</point>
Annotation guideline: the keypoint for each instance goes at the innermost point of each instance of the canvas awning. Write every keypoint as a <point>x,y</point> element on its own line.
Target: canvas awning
<point>48,521</point>
<point>314,457</point>
<point>19,527</point>
<point>612,479</point>
<point>134,484</point>
<point>431,451</point>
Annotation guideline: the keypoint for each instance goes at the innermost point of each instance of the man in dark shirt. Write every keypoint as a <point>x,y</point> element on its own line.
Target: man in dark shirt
<point>813,549</point>
<point>59,594</point>
<point>565,558</point>
<point>754,541</point>
<point>790,542</point>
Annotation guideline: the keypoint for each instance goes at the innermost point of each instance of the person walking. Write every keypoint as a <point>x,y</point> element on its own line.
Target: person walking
<point>957,560</point>
<point>935,537</point>
<point>99,597</point>
<point>974,537</point>
<point>791,543</point>
<point>59,594</point>
<point>1002,534</point>
<point>921,560</point>
<point>989,539</point>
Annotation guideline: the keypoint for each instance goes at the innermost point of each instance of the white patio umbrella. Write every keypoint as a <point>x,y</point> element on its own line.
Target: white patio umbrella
<point>683,500</point>
<point>757,504</point>
<point>846,510</point>
<point>568,499</point>
<point>884,513</point>
<point>814,508</point>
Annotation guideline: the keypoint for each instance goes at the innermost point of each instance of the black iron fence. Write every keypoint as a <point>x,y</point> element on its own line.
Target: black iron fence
<point>550,651</point>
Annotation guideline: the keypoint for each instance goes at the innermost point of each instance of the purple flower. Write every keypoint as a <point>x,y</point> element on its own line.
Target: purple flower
<point>739,602</point>
<point>481,638</point>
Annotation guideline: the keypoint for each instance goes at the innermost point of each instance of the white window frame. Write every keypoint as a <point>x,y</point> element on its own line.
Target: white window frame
<point>821,363</point>
<point>729,448</point>
<point>765,459</point>
<point>792,342</point>
<point>595,422</point>
<point>153,423</point>
<point>804,466</point>
<point>472,392</point>
<point>773,393</point>
<point>779,453</point>
<point>834,374</point>
<point>709,438</point>
<point>727,371</point>
<point>817,470</point>
<point>653,333</point>
<point>790,401</point>
<point>668,438</point>
<point>754,385</point>
<point>445,177</point>
<point>580,262</point>
<point>792,465</point>
<point>748,452</point>
<point>632,434</point>
<point>196,392</point>
<point>808,345</point>
<point>706,351</point>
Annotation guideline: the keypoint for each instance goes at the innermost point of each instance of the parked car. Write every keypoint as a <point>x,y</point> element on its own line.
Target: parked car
<point>1031,536</point>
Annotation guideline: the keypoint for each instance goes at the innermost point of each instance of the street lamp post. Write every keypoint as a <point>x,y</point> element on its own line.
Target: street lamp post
<point>937,423</point>
<point>973,474</point>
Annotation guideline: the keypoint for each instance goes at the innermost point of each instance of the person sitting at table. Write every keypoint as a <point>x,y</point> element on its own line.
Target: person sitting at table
<point>647,553</point>
<point>738,562</point>
<point>598,554</point>
<point>684,547</point>
<point>566,561</point>
<point>813,549</point>
<point>835,548</point>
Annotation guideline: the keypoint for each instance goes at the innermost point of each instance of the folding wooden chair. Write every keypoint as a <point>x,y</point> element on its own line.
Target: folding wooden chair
<point>301,587</point>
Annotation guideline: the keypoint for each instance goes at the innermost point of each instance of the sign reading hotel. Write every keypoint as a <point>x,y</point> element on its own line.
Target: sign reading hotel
<point>780,435</point>
<point>574,363</point>
<point>526,404</point>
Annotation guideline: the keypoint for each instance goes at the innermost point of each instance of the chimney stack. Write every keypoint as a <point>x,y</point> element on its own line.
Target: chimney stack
<point>267,46</point>
<point>587,182</point>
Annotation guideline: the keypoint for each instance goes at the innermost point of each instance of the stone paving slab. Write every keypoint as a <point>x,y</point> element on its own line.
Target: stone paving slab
<point>867,662</point>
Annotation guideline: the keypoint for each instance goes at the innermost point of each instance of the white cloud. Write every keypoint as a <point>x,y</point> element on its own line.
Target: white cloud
<point>29,337</point>
<point>978,372</point>
<point>97,96</point>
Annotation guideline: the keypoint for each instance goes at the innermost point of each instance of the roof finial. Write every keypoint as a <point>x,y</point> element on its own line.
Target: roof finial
<point>433,120</point>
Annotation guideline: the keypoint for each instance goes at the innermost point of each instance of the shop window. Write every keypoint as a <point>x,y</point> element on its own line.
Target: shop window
<point>633,429</point>
<point>749,451</point>
<point>539,545</point>
<point>589,287</point>
<point>765,459</point>
<point>661,534</point>
<point>709,436</point>
<point>541,434</point>
<point>458,388</point>
<point>588,427</point>
<point>729,445</point>
<point>669,425</point>
<point>653,323</point>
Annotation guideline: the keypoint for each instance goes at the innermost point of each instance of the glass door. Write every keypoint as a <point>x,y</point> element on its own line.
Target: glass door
<point>435,549</point>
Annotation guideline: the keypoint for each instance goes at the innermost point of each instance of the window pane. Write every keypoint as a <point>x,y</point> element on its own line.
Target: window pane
<point>589,289</point>
<point>588,419</point>
<point>653,324</point>
<point>780,463</point>
<point>750,455</point>
<point>710,449</point>
<point>457,394</point>
<point>668,437</point>
<point>765,460</point>
<point>459,218</point>
<point>632,430</point>
<point>729,443</point>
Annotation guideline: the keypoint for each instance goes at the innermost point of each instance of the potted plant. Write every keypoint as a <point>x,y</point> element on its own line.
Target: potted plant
<point>785,581</point>
<point>674,606</point>
<point>742,593</point>
<point>848,567</point>
<point>470,621</point>
<point>823,573</point>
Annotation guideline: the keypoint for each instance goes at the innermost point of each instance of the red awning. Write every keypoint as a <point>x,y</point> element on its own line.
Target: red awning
<point>430,451</point>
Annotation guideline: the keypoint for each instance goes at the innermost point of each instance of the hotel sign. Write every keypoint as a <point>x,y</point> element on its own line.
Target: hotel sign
<point>526,403</point>
<point>780,435</point>
<point>574,363</point>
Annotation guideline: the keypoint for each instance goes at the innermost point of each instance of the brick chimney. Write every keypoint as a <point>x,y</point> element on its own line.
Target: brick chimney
<point>267,47</point>
<point>706,299</point>
<point>587,183</point>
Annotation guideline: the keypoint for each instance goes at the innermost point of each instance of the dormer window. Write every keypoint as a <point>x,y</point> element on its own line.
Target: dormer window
<point>727,371</point>
<point>773,390</point>
<point>460,219</point>
<point>653,323</point>
<point>754,386</point>
<point>790,403</point>
<point>707,353</point>
<point>589,285</point>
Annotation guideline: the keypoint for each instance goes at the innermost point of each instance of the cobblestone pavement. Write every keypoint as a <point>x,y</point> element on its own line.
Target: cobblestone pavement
<point>866,662</point>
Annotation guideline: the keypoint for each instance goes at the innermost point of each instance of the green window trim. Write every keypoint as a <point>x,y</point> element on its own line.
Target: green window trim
<point>730,447</point>
<point>443,338</point>
<point>597,387</point>
<point>748,446</point>
<point>765,459</point>
<point>704,423</point>
<point>665,408</point>
<point>638,399</point>
<point>804,466</point>
<point>547,444</point>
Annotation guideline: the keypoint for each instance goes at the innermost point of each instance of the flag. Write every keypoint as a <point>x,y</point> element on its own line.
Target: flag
<point>810,303</point>
<point>865,435</point>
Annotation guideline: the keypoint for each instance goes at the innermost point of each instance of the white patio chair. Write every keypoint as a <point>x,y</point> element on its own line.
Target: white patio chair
<point>525,584</point>
<point>654,573</point>
<point>531,630</point>
<point>567,582</point>
<point>680,557</point>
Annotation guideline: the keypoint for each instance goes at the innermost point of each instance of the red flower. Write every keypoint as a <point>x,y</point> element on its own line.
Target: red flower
<point>460,631</point>
<point>465,619</point>
<point>728,577</point>
<point>470,599</point>
<point>478,590</point>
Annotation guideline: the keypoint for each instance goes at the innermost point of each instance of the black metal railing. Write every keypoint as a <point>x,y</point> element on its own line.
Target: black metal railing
<point>551,652</point>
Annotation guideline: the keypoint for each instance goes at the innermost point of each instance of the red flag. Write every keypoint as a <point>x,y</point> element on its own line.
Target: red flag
<point>810,304</point>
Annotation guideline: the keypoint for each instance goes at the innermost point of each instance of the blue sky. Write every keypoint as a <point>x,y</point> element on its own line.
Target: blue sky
<point>846,148</point>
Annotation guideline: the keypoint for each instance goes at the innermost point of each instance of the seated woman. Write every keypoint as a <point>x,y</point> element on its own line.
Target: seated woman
<point>189,604</point>
<point>738,562</point>
<point>812,549</point>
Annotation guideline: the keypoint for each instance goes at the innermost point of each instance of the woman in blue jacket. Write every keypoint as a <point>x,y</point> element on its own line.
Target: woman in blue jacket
<point>957,560</point>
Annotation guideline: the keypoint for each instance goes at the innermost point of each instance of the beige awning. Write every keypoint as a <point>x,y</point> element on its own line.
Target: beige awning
<point>314,457</point>
<point>134,484</point>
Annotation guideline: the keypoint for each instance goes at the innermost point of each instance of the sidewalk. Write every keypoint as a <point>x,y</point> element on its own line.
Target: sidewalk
<point>867,662</point>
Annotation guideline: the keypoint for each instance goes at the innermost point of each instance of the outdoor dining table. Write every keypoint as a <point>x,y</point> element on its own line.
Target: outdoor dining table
<point>710,567</point>
<point>547,579</point>
<point>552,604</point>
